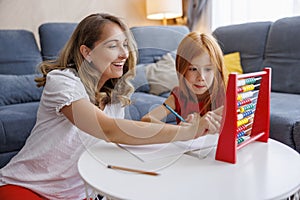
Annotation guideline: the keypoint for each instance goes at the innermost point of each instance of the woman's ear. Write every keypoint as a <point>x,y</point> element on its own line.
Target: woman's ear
<point>85,52</point>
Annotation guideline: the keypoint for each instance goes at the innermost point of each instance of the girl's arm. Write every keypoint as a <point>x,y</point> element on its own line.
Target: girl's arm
<point>95,122</point>
<point>160,112</point>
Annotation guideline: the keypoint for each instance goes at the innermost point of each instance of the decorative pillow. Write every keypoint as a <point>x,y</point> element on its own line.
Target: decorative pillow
<point>173,54</point>
<point>162,76</point>
<point>18,89</point>
<point>140,81</point>
<point>233,62</point>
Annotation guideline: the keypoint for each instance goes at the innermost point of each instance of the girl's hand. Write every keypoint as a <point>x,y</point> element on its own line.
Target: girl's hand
<point>212,120</point>
<point>207,124</point>
<point>188,120</point>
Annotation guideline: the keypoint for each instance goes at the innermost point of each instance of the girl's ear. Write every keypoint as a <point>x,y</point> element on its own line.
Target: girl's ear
<point>85,52</point>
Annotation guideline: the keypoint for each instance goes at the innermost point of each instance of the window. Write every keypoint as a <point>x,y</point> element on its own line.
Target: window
<point>226,12</point>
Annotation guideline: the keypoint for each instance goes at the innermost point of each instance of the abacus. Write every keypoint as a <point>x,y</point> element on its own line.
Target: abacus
<point>246,115</point>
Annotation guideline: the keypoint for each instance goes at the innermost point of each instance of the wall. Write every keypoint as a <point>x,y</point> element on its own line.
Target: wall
<point>29,14</point>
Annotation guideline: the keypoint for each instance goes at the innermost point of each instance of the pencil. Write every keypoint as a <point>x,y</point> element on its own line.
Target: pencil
<point>173,111</point>
<point>132,170</point>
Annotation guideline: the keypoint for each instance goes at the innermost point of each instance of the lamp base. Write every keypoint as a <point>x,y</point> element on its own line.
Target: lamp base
<point>165,21</point>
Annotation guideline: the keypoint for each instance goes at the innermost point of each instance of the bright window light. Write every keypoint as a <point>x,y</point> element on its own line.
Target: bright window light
<point>226,12</point>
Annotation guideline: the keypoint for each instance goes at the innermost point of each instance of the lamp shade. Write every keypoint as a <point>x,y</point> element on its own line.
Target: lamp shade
<point>163,9</point>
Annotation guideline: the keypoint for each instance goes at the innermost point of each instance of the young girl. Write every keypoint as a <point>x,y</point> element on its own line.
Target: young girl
<point>200,70</point>
<point>85,91</point>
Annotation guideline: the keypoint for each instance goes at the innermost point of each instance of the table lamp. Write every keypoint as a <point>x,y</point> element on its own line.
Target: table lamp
<point>163,9</point>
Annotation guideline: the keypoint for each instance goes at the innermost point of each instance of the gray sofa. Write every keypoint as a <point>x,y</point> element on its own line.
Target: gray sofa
<point>261,44</point>
<point>275,45</point>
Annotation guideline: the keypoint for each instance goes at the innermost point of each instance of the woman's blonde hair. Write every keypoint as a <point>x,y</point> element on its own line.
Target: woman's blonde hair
<point>87,33</point>
<point>195,44</point>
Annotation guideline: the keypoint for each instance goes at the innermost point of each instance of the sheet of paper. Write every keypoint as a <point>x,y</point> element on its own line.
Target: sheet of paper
<point>199,143</point>
<point>160,151</point>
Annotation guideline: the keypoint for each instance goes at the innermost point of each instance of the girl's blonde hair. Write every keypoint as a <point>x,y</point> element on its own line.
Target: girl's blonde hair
<point>87,33</point>
<point>195,44</point>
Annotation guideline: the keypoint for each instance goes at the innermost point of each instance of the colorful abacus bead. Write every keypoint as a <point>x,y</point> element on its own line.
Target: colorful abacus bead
<point>241,128</point>
<point>248,88</point>
<point>250,80</point>
<point>241,134</point>
<point>241,110</point>
<point>241,82</point>
<point>245,114</point>
<point>240,140</point>
<point>240,89</point>
<point>244,102</point>
<point>246,107</point>
<point>245,95</point>
<point>242,122</point>
<point>246,81</point>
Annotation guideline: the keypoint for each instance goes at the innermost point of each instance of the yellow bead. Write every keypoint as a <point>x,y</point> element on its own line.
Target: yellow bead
<point>242,109</point>
<point>239,97</point>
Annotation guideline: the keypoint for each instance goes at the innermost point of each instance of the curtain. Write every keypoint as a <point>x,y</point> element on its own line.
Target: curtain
<point>197,14</point>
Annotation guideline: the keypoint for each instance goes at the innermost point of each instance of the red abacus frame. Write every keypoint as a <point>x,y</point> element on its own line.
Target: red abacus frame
<point>227,144</point>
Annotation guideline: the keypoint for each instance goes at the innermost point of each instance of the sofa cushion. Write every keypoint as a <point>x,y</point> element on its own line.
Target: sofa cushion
<point>19,53</point>
<point>140,82</point>
<point>53,37</point>
<point>155,41</point>
<point>283,55</point>
<point>235,38</point>
<point>285,77</point>
<point>16,122</point>
<point>16,89</point>
<point>5,157</point>
<point>285,119</point>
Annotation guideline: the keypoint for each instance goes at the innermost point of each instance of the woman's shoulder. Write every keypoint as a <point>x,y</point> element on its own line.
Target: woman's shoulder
<point>63,87</point>
<point>63,74</point>
<point>66,79</point>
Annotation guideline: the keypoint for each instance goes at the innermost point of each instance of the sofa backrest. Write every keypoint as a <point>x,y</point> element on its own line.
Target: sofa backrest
<point>53,37</point>
<point>152,41</point>
<point>19,53</point>
<point>267,44</point>
<point>249,39</point>
<point>19,59</point>
<point>155,41</point>
<point>282,54</point>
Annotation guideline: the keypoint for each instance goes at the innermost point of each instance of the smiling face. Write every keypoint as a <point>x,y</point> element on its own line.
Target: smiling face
<point>110,52</point>
<point>200,74</point>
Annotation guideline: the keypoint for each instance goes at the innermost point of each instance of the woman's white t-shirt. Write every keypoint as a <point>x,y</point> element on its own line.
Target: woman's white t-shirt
<point>47,164</point>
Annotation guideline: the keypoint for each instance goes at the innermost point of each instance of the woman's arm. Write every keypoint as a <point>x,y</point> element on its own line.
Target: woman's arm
<point>160,112</point>
<point>93,121</point>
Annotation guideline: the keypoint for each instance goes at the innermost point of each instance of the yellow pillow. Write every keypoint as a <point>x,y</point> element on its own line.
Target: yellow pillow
<point>233,62</point>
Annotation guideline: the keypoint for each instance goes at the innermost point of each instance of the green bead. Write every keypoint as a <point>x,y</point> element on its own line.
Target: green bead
<point>240,140</point>
<point>250,80</point>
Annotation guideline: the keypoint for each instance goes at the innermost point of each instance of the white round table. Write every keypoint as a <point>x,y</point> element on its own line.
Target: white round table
<point>263,171</point>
